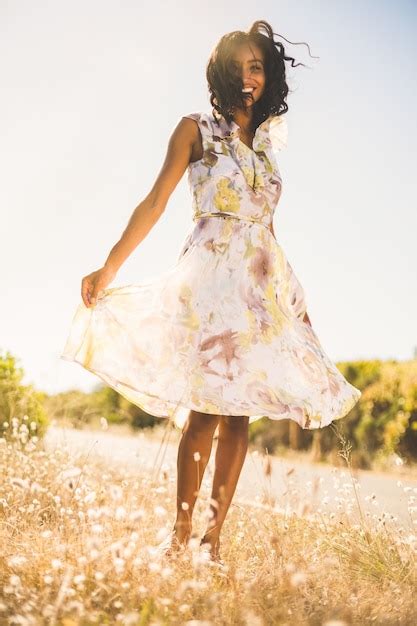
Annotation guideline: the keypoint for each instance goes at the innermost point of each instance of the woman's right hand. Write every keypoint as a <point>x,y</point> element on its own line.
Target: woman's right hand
<point>95,282</point>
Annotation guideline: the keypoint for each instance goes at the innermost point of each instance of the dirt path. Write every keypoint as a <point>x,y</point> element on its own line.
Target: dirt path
<point>291,484</point>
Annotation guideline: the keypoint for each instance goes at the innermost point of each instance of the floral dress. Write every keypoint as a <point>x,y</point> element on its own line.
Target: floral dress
<point>222,330</point>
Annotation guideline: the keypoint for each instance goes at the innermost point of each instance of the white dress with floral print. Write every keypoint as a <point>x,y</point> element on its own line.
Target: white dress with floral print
<point>222,330</point>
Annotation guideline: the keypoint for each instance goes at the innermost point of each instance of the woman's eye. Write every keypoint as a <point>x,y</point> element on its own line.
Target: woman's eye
<point>254,67</point>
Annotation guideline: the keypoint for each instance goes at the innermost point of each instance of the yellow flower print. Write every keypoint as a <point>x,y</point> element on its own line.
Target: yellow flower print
<point>263,332</point>
<point>259,182</point>
<point>248,338</point>
<point>190,318</point>
<point>278,318</point>
<point>268,333</point>
<point>248,173</point>
<point>262,146</point>
<point>226,198</point>
<point>269,168</point>
<point>250,249</point>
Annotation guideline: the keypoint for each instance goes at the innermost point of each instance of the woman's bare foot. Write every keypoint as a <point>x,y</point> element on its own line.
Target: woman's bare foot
<point>177,540</point>
<point>170,546</point>
<point>214,548</point>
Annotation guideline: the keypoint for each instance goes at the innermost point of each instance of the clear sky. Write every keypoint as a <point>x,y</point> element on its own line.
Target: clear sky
<point>90,93</point>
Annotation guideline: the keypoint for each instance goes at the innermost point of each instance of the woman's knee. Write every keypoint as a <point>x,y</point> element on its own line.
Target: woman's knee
<point>237,423</point>
<point>201,422</point>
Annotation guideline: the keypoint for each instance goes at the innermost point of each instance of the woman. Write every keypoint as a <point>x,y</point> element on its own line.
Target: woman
<point>225,332</point>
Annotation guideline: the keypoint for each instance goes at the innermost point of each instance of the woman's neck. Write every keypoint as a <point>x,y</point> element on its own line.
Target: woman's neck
<point>244,119</point>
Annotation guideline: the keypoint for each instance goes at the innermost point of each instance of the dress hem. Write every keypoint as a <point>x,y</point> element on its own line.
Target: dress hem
<point>252,417</point>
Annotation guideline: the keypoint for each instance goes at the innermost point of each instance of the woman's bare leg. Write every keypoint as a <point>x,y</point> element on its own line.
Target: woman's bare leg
<point>231,451</point>
<point>197,436</point>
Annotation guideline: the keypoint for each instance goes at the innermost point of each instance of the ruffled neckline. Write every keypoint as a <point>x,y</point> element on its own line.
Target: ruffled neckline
<point>273,130</point>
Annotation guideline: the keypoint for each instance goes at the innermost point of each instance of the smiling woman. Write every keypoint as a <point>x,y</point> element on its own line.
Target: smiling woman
<point>251,63</point>
<point>224,333</point>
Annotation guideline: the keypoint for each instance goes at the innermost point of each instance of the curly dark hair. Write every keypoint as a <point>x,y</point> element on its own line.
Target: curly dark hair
<point>225,87</point>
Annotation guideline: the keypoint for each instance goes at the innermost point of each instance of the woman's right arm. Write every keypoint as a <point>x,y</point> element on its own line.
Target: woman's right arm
<point>148,211</point>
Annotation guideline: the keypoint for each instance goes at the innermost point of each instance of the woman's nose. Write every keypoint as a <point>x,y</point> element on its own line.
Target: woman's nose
<point>246,74</point>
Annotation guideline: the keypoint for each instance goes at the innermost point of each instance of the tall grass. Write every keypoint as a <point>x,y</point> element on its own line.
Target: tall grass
<point>78,544</point>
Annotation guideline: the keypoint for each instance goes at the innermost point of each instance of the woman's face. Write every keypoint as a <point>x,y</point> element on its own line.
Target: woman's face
<point>248,63</point>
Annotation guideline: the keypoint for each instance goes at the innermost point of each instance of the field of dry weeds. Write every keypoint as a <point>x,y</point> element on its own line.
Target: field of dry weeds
<point>78,546</point>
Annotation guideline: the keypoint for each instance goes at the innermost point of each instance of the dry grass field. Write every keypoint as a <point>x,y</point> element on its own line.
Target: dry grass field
<point>78,543</point>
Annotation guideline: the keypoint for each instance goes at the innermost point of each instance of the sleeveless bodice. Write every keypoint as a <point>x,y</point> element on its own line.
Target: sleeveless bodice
<point>233,179</point>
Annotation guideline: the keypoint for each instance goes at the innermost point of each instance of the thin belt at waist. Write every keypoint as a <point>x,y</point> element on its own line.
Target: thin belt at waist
<point>246,218</point>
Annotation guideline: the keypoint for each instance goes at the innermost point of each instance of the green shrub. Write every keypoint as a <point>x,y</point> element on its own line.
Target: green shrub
<point>21,406</point>
<point>382,423</point>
